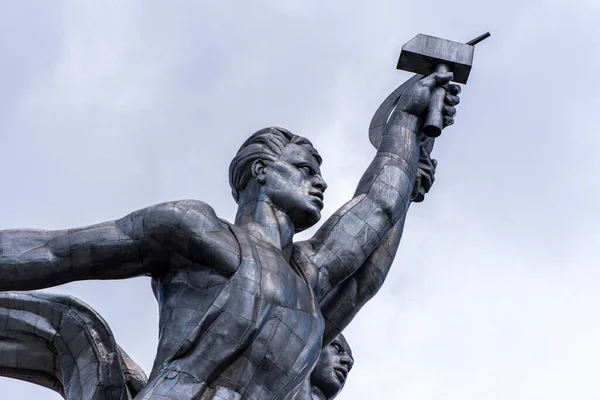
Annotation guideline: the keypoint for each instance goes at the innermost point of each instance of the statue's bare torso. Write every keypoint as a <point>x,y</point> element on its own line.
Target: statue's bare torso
<point>248,310</point>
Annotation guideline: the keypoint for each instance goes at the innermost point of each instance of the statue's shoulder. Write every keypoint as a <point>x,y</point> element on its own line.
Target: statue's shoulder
<point>194,213</point>
<point>195,206</point>
<point>184,219</point>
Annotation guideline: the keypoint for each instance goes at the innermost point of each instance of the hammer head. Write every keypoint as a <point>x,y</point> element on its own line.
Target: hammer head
<point>423,53</point>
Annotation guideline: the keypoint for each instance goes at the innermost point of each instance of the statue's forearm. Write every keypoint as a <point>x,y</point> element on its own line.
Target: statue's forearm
<point>389,180</point>
<point>26,262</point>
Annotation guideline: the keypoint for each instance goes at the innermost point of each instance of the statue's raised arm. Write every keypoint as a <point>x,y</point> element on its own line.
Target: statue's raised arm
<point>343,303</point>
<point>344,242</point>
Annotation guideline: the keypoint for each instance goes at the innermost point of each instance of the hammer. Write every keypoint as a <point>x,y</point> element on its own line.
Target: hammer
<point>381,117</point>
<point>425,55</point>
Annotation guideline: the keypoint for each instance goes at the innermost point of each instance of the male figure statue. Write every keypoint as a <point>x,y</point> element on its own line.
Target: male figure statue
<point>241,305</point>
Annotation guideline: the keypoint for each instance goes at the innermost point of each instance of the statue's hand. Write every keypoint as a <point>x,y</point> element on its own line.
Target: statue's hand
<point>415,100</point>
<point>426,174</point>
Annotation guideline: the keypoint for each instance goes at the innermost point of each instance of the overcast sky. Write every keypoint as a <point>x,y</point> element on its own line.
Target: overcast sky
<point>109,106</point>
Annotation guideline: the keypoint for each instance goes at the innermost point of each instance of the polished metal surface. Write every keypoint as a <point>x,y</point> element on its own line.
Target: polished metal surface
<point>428,54</point>
<point>423,53</point>
<point>244,310</point>
<point>61,343</point>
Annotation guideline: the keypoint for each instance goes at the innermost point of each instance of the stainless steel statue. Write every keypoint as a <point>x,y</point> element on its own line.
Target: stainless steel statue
<point>244,310</point>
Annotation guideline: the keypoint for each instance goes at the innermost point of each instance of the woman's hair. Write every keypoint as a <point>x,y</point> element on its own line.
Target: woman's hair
<point>267,145</point>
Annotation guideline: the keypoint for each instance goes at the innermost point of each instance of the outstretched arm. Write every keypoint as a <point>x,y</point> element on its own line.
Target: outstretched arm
<point>138,244</point>
<point>349,237</point>
<point>34,259</point>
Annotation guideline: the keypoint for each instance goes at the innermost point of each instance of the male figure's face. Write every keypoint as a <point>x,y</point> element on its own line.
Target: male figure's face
<point>294,184</point>
<point>332,369</point>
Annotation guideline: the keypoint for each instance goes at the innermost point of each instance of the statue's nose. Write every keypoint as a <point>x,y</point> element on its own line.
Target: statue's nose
<point>347,361</point>
<point>320,184</point>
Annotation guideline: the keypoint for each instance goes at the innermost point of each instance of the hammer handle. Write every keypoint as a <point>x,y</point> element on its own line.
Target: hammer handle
<point>434,119</point>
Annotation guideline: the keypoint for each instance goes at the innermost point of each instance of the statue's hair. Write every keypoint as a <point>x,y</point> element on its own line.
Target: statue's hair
<point>267,145</point>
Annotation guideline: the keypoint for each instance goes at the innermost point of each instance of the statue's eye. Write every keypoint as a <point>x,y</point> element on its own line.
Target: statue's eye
<point>337,347</point>
<point>306,170</point>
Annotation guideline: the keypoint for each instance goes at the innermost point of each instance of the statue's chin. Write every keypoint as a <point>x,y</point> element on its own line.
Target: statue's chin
<point>307,220</point>
<point>331,389</point>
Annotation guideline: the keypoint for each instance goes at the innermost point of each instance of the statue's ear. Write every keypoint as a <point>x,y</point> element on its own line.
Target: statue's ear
<point>259,171</point>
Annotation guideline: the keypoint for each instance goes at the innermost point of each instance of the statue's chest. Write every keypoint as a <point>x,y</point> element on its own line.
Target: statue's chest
<point>266,317</point>
<point>279,282</point>
<point>290,326</point>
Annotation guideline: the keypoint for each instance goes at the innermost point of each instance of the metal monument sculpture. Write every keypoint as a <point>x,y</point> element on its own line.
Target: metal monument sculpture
<point>244,310</point>
<point>61,343</point>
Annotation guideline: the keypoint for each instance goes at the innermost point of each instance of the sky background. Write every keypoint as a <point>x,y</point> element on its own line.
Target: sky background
<point>110,106</point>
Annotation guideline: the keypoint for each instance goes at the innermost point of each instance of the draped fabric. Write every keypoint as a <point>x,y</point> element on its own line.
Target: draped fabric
<point>61,343</point>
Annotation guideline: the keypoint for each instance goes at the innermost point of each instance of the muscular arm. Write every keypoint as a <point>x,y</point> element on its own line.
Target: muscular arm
<point>343,302</point>
<point>34,259</point>
<point>138,244</point>
<point>348,238</point>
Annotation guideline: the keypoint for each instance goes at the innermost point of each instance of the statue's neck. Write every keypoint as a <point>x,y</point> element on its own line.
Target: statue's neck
<point>260,218</point>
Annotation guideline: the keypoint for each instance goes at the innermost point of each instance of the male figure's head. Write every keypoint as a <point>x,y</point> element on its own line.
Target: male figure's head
<point>283,167</point>
<point>330,374</point>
